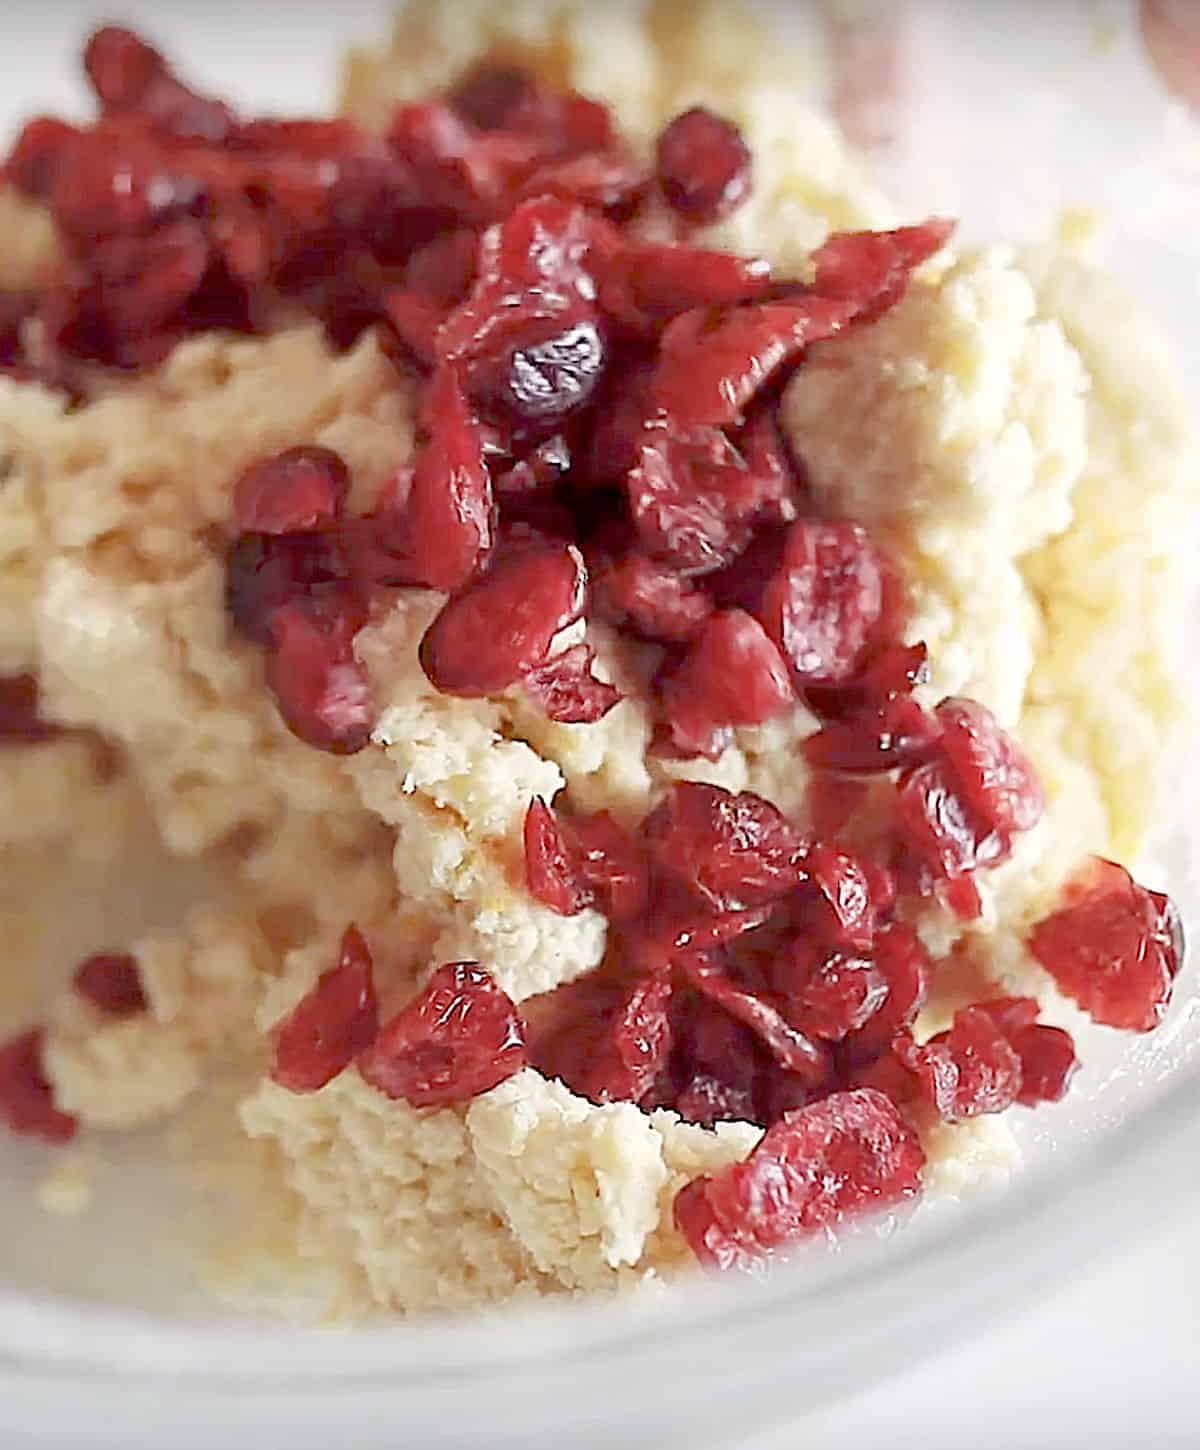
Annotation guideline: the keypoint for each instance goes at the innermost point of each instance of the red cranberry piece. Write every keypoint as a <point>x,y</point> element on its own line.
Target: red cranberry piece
<point>1113,947</point>
<point>651,600</point>
<point>770,464</point>
<point>444,270</point>
<point>26,1096</point>
<point>501,626</point>
<point>644,286</point>
<point>548,373</point>
<point>321,690</point>
<point>900,733</point>
<point>996,775</point>
<point>731,675</point>
<point>34,157</point>
<point>568,691</point>
<point>335,1021</point>
<point>490,94</point>
<point>732,852</point>
<point>826,601</point>
<point>550,866</point>
<point>634,1048</point>
<point>704,166</point>
<point>610,864</point>
<point>112,983</point>
<point>969,1069</point>
<point>844,889</point>
<point>129,75</point>
<point>461,1036</point>
<point>872,269</point>
<point>449,523</point>
<point>1048,1063</point>
<point>298,491</point>
<point>904,965</point>
<point>714,1063</point>
<point>677,928</point>
<point>20,719</point>
<point>540,469</point>
<point>848,1154</point>
<point>840,996</point>
<point>606,181</point>
<point>788,1046</point>
<point>1010,1014</point>
<point>452,167</point>
<point>619,420</point>
<point>264,572</point>
<point>711,367</point>
<point>941,827</point>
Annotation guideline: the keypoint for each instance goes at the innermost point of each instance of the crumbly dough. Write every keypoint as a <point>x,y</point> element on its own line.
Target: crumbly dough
<point>1016,463</point>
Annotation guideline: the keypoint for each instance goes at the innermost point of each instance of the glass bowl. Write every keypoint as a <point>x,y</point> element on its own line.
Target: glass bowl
<point>1018,111</point>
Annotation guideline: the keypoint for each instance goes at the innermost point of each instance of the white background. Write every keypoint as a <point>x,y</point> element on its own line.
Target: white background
<point>1105,1360</point>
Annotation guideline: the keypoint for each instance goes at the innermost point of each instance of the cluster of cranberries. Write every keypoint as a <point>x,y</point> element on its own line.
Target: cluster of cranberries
<point>598,439</point>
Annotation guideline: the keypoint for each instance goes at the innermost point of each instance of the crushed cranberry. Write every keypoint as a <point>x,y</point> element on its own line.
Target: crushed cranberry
<point>1113,946</point>
<point>714,1063</point>
<point>320,688</point>
<point>501,626</point>
<point>704,166</point>
<point>461,1036</point>
<point>26,1096</point>
<point>334,1022</point>
<point>112,983</point>
<point>730,851</point>
<point>634,1047</point>
<point>849,1154</point>
<point>568,691</point>
<point>731,675</point>
<point>299,491</point>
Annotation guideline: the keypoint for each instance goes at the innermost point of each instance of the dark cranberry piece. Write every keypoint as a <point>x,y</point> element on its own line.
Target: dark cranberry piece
<point>1113,947</point>
<point>21,721</point>
<point>840,995</point>
<point>461,1036</point>
<point>969,1069</point>
<point>129,75</point>
<point>112,983</point>
<point>550,867</point>
<point>32,161</point>
<point>568,691</point>
<point>847,915</point>
<point>731,675</point>
<point>846,1155</point>
<point>634,1047</point>
<point>26,1097</point>
<point>501,626</point>
<point>619,419</point>
<point>825,603</point>
<point>540,469</point>
<point>490,94</point>
<point>904,965</point>
<point>900,733</point>
<point>321,690</point>
<point>996,776</point>
<point>704,166</point>
<point>611,864</point>
<point>690,498</point>
<point>264,572</point>
<point>449,523</point>
<point>730,851</point>
<point>679,927</point>
<point>298,491</point>
<point>950,840</point>
<point>714,1063</point>
<point>644,286</point>
<point>1048,1063</point>
<point>651,600</point>
<point>444,270</point>
<point>606,181</point>
<point>712,366</point>
<point>335,1021</point>
<point>887,674</point>
<point>550,373</point>
<point>872,269</point>
<point>788,1046</point>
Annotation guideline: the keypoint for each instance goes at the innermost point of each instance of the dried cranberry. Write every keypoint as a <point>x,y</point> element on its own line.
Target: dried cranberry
<point>872,269</point>
<point>644,286</point>
<point>731,675</point>
<point>633,1048</point>
<point>969,1069</point>
<point>298,491</point>
<point>844,891</point>
<point>902,962</point>
<point>611,864</point>
<point>1010,1014</point>
<point>839,996</point>
<point>712,366</point>
<point>129,75</point>
<point>321,690</point>
<point>892,671</point>
<point>449,522</point>
<point>21,721</point>
<point>264,572</point>
<point>501,626</point>
<point>730,851</point>
<point>704,165</point>
<point>1113,946</point>
<point>790,1047</point>
<point>461,1036</point>
<point>713,1063</point>
<point>491,93</point>
<point>848,1154</point>
<point>551,371</point>
<point>943,830</point>
<point>619,418</point>
<point>32,161</point>
<point>825,603</point>
<point>1048,1063</point>
<point>112,983</point>
<point>335,1021</point>
<point>26,1096</point>
<point>900,733</point>
<point>566,689</point>
<point>996,776</point>
<point>651,600</point>
<point>550,867</point>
